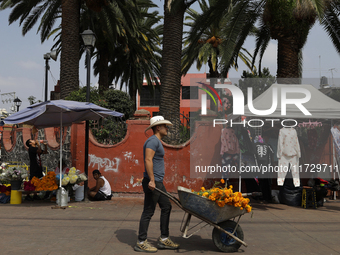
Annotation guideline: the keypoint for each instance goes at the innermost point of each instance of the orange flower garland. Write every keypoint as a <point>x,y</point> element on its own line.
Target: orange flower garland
<point>223,196</point>
<point>47,183</point>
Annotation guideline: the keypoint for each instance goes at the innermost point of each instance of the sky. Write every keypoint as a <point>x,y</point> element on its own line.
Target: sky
<point>22,66</point>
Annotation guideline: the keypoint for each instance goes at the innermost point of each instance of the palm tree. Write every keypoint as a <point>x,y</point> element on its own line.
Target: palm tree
<point>111,25</point>
<point>171,61</point>
<point>137,56</point>
<point>289,22</point>
<point>207,49</point>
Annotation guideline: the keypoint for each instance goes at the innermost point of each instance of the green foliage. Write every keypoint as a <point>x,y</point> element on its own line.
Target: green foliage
<point>110,130</point>
<point>119,101</point>
<point>32,100</point>
<point>290,18</point>
<point>259,82</point>
<point>80,95</point>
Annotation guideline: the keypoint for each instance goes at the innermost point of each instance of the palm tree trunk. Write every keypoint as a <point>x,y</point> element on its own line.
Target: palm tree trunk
<point>288,61</point>
<point>69,60</point>
<point>133,95</point>
<point>103,70</point>
<point>171,68</point>
<point>213,75</point>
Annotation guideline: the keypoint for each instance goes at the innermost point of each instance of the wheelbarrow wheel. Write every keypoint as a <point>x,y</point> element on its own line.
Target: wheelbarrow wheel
<point>223,241</point>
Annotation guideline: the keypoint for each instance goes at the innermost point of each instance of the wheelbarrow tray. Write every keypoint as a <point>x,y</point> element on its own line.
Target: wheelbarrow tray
<point>206,208</point>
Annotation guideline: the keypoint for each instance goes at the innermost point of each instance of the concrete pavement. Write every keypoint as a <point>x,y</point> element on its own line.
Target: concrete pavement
<point>111,227</point>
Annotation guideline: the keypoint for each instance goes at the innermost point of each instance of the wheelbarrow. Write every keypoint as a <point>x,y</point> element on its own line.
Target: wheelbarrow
<point>227,234</point>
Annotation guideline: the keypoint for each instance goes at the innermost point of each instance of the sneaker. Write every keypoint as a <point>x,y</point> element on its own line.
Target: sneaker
<point>145,247</point>
<point>167,244</point>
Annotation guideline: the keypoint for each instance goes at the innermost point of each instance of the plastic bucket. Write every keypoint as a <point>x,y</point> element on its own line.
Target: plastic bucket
<point>15,197</point>
<point>62,197</point>
<point>79,194</point>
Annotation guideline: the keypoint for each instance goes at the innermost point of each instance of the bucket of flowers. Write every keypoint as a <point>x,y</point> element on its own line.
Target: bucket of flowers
<point>15,175</point>
<point>73,178</point>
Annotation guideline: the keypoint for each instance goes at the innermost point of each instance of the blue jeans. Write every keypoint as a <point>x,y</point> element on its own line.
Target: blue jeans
<point>151,198</point>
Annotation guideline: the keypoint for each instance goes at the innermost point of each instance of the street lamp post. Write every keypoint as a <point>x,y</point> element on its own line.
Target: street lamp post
<point>17,103</point>
<point>47,56</point>
<point>89,39</point>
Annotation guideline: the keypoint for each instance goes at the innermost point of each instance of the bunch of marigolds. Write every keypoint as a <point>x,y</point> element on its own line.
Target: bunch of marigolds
<point>223,196</point>
<point>46,183</point>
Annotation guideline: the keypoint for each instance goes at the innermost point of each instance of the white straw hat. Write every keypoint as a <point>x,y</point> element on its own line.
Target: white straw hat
<point>158,120</point>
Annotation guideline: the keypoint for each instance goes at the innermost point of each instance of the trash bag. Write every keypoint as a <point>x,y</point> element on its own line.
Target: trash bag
<point>290,196</point>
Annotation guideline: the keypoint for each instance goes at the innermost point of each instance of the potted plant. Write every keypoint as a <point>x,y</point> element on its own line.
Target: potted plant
<point>15,175</point>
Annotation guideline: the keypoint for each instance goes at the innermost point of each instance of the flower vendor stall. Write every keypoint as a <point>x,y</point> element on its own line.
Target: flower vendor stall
<point>14,180</point>
<point>61,113</point>
<point>15,176</point>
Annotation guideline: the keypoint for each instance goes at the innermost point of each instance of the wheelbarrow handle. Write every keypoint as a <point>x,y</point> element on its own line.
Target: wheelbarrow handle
<point>175,199</point>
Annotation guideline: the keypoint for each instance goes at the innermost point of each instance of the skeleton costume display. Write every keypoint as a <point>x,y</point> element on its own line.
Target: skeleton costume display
<point>264,155</point>
<point>288,153</point>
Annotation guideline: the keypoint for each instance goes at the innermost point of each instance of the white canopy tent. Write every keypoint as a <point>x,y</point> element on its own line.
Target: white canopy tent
<point>319,105</point>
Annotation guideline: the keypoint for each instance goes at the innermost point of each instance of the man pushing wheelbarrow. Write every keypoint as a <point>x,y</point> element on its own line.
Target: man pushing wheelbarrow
<point>153,153</point>
<point>219,208</point>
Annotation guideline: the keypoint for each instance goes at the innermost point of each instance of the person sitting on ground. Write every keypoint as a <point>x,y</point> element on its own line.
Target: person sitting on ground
<point>102,190</point>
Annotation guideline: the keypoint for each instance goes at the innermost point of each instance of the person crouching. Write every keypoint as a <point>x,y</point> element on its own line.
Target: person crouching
<point>102,190</point>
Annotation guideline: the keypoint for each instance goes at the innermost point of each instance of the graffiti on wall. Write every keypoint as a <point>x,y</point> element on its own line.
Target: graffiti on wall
<point>133,183</point>
<point>104,163</point>
<point>129,157</point>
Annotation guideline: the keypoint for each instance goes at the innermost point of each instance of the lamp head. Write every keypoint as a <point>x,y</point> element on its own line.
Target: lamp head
<point>53,54</point>
<point>17,101</point>
<point>89,38</point>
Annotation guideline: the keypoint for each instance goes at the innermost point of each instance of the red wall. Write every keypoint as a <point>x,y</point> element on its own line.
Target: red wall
<point>122,163</point>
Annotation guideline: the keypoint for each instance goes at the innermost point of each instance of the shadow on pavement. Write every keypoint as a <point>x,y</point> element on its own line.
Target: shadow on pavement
<point>192,244</point>
<point>127,236</point>
<point>266,206</point>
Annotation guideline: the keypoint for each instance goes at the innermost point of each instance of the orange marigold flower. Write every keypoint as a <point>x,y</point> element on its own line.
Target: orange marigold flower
<point>220,203</point>
<point>222,181</point>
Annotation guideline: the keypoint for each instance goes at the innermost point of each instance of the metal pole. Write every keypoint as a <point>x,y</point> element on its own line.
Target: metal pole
<point>334,158</point>
<point>87,128</point>
<point>46,77</point>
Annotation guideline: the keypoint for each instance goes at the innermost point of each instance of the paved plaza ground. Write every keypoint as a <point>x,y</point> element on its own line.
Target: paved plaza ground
<point>111,227</point>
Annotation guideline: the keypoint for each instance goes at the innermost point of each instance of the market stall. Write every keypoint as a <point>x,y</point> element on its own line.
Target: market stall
<point>322,109</point>
<point>60,113</point>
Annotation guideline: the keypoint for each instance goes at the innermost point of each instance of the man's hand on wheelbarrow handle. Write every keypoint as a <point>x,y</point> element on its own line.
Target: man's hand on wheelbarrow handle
<point>152,185</point>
